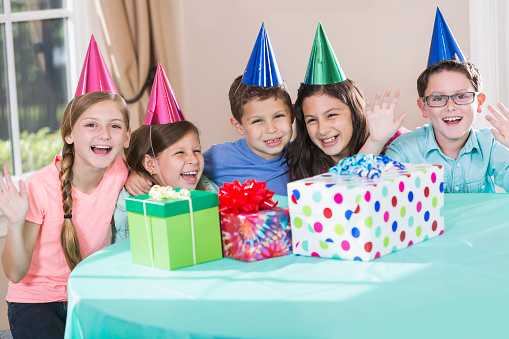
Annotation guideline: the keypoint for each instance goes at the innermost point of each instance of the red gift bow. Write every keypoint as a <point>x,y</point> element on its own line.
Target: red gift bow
<point>250,196</point>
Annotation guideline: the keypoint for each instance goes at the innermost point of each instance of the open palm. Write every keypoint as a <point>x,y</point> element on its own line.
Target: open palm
<point>501,123</point>
<point>13,204</point>
<point>381,120</point>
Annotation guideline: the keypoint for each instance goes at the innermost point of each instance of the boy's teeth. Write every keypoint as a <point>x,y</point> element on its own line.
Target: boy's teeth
<point>331,139</point>
<point>452,119</point>
<point>273,140</point>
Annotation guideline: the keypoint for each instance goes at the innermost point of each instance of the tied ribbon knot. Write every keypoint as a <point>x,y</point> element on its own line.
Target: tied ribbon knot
<point>250,196</point>
<point>365,165</point>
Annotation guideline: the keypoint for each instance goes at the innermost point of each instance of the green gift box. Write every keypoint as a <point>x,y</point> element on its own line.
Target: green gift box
<point>161,231</point>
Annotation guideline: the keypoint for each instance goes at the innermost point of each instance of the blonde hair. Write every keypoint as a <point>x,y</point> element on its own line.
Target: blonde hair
<point>79,105</point>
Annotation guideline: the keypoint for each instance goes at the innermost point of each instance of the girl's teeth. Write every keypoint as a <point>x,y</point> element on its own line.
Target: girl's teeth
<point>273,140</point>
<point>190,173</point>
<point>329,140</point>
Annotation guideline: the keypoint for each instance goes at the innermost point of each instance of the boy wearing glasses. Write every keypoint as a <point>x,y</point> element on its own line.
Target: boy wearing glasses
<point>450,95</point>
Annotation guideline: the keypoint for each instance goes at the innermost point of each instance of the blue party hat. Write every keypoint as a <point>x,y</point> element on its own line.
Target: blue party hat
<point>262,69</point>
<point>443,44</point>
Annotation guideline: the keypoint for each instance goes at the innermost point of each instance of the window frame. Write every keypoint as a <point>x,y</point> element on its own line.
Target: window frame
<point>489,50</point>
<point>77,28</point>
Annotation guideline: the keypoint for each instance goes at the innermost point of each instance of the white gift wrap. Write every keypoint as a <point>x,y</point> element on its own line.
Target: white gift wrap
<point>349,217</point>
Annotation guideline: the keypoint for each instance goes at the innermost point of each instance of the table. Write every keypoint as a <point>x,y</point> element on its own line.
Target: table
<point>452,286</point>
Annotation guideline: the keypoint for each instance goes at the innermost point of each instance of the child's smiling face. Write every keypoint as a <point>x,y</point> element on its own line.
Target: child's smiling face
<point>267,126</point>
<point>452,122</point>
<point>180,165</point>
<point>329,124</point>
<point>99,136</point>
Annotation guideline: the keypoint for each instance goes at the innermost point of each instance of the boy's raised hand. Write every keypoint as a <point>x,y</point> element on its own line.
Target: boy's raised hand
<point>136,185</point>
<point>13,204</point>
<point>381,121</point>
<point>501,123</point>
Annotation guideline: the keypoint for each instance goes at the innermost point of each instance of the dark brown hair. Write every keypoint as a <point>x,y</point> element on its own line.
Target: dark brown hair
<point>163,136</point>
<point>465,67</point>
<point>74,110</point>
<point>304,158</point>
<point>240,94</point>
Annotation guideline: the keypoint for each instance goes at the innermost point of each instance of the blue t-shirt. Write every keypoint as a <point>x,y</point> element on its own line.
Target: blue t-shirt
<point>481,158</point>
<point>231,161</point>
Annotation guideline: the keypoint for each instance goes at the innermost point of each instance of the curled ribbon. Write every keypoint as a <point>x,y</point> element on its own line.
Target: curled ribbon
<point>167,192</point>
<point>250,196</point>
<point>365,165</point>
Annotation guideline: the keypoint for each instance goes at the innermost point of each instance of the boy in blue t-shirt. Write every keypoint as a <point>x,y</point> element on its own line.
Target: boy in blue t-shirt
<point>450,94</point>
<point>263,115</point>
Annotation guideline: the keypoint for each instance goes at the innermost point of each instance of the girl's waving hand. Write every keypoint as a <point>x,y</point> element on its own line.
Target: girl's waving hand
<point>13,204</point>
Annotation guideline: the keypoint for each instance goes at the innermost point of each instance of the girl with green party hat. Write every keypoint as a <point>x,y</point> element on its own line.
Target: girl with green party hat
<point>333,121</point>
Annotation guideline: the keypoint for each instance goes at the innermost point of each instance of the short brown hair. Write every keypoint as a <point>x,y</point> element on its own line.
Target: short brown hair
<point>240,94</point>
<point>465,67</point>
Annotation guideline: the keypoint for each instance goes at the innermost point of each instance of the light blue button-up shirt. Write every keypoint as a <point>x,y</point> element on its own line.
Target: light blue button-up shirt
<point>481,158</point>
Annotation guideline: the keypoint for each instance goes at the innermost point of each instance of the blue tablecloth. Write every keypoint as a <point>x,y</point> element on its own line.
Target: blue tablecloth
<point>452,286</point>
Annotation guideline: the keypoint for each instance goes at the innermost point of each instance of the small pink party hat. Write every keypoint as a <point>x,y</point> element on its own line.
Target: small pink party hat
<point>163,107</point>
<point>94,75</point>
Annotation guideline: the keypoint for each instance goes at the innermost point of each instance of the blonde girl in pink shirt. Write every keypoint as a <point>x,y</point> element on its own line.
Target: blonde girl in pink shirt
<point>62,213</point>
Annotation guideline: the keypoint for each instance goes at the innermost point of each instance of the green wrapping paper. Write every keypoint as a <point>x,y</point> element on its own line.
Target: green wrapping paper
<point>163,237</point>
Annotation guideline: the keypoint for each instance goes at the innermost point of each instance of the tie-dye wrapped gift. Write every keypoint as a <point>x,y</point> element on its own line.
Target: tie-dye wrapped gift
<point>363,212</point>
<point>252,227</point>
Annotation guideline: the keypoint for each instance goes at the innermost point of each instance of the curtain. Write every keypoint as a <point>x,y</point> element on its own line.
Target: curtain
<point>134,38</point>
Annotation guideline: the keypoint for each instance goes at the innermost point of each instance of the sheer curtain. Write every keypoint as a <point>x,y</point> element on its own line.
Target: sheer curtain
<point>133,33</point>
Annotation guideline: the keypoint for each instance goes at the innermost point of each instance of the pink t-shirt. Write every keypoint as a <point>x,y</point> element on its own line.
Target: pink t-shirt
<point>46,280</point>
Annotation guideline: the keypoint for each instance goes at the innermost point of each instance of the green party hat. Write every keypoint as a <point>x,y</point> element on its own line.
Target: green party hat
<point>323,67</point>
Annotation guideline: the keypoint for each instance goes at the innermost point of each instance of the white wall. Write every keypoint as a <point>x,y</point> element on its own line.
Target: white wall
<point>380,44</point>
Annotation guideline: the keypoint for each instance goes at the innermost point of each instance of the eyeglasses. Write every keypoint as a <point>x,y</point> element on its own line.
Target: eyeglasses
<point>463,98</point>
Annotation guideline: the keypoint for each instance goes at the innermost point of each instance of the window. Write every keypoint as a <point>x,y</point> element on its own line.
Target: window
<point>34,81</point>
<point>489,50</point>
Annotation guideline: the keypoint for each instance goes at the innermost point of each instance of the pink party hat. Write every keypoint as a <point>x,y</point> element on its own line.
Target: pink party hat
<point>162,107</point>
<point>94,75</point>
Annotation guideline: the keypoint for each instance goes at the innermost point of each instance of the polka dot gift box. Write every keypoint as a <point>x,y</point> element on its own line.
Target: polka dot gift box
<point>363,211</point>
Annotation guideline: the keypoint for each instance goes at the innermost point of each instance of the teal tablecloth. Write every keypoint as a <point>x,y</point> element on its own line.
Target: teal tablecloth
<point>452,286</point>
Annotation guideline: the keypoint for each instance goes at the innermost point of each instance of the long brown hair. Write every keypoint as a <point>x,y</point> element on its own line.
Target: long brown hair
<point>79,105</point>
<point>163,136</point>
<point>304,158</point>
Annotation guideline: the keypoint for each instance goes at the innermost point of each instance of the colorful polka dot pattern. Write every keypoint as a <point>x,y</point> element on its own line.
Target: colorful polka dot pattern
<point>348,217</point>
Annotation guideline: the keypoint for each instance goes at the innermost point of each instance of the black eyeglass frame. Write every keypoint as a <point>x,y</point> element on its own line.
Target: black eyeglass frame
<point>450,97</point>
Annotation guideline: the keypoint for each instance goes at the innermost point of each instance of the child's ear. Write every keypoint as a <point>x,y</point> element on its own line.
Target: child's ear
<point>237,126</point>
<point>422,107</point>
<point>127,139</point>
<point>69,140</point>
<point>149,164</point>
<point>481,98</point>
